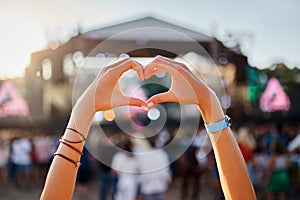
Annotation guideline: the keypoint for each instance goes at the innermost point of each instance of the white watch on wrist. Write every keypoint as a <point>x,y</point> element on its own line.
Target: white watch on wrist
<point>218,126</point>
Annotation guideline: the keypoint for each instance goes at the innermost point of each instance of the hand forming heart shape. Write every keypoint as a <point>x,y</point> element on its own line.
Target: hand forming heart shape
<point>186,88</point>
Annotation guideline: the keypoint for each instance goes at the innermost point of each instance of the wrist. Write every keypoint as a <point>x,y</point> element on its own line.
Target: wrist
<point>211,111</point>
<point>218,126</point>
<point>82,116</point>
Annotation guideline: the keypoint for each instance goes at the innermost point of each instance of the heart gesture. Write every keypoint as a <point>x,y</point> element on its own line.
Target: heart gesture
<point>186,88</point>
<point>105,89</point>
<point>183,88</point>
<point>104,93</point>
<point>184,83</point>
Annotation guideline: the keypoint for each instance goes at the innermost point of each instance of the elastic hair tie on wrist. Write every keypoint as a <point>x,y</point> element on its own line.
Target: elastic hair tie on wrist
<point>70,146</point>
<point>84,138</point>
<point>76,163</point>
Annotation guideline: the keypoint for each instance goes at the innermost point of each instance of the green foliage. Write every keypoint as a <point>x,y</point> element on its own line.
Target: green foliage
<point>287,77</point>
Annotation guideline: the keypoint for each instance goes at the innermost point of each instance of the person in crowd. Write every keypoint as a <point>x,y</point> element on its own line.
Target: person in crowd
<point>273,134</point>
<point>278,180</point>
<point>186,88</point>
<point>155,175</point>
<point>84,176</point>
<point>215,178</point>
<point>294,151</point>
<point>21,161</point>
<point>125,166</point>
<point>294,143</point>
<point>247,145</point>
<point>107,182</point>
<point>192,164</point>
<point>260,165</point>
<point>42,157</point>
<point>4,160</point>
<point>190,173</point>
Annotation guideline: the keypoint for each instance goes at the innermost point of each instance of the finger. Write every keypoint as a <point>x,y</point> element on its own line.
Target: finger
<point>161,98</point>
<point>160,64</point>
<point>131,64</point>
<point>170,62</point>
<point>132,101</point>
<point>115,65</point>
<point>119,99</point>
<point>120,62</point>
<point>139,68</point>
<point>150,71</point>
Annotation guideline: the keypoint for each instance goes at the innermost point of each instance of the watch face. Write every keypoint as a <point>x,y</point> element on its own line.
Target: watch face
<point>228,120</point>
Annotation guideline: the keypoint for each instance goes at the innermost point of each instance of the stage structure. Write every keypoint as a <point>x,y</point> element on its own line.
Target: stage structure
<point>50,75</point>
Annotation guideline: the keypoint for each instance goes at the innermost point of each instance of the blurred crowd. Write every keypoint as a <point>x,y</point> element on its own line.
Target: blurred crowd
<point>25,157</point>
<point>271,153</point>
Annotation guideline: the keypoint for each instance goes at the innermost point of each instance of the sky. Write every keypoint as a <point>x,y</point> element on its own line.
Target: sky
<point>268,30</point>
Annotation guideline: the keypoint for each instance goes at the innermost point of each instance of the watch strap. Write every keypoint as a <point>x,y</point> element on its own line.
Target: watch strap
<point>218,126</point>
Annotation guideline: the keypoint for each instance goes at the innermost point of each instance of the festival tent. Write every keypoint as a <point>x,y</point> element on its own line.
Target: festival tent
<point>274,97</point>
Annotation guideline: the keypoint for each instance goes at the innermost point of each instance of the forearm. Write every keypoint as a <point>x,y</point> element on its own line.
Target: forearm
<point>82,115</point>
<point>211,111</point>
<point>232,168</point>
<point>61,178</point>
<point>233,173</point>
<point>102,94</point>
<point>62,174</point>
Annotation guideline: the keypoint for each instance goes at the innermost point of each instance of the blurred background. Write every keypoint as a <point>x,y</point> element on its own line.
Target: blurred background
<point>253,44</point>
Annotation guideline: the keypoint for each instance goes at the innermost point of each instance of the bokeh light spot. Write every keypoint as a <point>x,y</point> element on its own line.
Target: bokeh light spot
<point>153,113</point>
<point>109,115</point>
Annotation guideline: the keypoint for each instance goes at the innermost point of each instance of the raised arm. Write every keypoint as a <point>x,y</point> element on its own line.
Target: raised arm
<point>103,94</point>
<point>186,88</point>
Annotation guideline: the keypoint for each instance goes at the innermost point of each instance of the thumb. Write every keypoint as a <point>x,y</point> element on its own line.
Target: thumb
<point>161,98</point>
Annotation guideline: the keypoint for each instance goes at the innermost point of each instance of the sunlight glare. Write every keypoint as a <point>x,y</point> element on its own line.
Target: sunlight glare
<point>20,36</point>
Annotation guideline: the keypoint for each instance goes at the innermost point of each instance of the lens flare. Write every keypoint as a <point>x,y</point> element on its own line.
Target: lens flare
<point>133,122</point>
